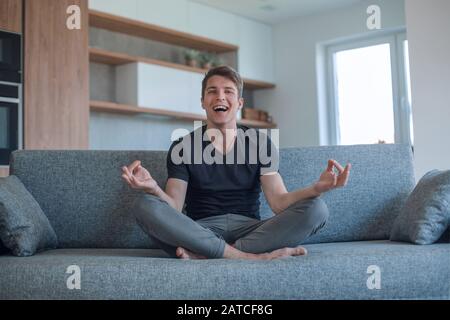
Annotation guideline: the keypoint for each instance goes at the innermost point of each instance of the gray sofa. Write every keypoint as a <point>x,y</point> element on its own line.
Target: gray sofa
<point>88,205</point>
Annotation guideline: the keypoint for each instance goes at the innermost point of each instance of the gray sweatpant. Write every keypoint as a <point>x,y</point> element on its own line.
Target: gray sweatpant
<point>170,228</point>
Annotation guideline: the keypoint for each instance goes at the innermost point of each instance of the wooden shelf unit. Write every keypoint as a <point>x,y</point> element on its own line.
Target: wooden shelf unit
<point>106,106</point>
<point>116,58</point>
<point>149,31</point>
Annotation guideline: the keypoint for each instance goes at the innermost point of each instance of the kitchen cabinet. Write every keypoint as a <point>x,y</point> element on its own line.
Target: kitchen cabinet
<point>124,8</point>
<point>11,15</point>
<point>212,23</point>
<point>56,77</point>
<point>255,54</point>
<point>170,14</point>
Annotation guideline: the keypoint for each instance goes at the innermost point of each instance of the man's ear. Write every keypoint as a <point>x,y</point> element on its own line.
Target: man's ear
<point>201,101</point>
<point>241,103</point>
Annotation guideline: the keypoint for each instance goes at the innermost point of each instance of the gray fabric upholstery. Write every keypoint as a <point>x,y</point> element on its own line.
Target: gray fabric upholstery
<point>426,214</point>
<point>24,228</point>
<point>329,271</point>
<point>88,204</point>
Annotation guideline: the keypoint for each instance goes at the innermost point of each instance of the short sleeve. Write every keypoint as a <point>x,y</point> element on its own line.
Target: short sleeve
<point>269,157</point>
<point>175,166</point>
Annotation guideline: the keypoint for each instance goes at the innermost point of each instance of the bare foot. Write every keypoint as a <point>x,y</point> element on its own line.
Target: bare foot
<point>284,252</point>
<point>183,253</point>
<point>232,253</point>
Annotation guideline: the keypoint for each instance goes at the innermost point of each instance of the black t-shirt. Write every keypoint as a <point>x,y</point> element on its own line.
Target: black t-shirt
<point>220,184</point>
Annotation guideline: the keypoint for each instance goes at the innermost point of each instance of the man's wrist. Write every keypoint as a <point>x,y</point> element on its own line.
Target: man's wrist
<point>154,191</point>
<point>314,192</point>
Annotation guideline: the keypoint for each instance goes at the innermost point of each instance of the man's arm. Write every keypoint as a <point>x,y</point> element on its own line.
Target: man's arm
<point>278,197</point>
<point>174,194</point>
<point>137,177</point>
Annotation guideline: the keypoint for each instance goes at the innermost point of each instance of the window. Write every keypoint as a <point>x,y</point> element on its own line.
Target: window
<point>369,91</point>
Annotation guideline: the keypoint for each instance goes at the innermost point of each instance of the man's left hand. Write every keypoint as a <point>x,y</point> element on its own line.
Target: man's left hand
<point>329,180</point>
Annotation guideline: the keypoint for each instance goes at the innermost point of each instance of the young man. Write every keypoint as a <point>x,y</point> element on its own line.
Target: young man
<point>222,197</point>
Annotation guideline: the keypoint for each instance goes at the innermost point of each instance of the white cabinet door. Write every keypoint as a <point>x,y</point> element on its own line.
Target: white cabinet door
<point>153,86</point>
<point>170,14</point>
<point>124,8</point>
<point>212,23</point>
<point>255,55</point>
<point>163,88</point>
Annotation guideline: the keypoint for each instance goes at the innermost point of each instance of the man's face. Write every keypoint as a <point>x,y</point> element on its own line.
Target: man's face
<point>221,101</point>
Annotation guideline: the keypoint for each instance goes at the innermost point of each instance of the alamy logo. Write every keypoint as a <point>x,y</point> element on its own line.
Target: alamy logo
<point>74,280</point>
<point>374,20</point>
<point>374,280</point>
<point>74,20</point>
<point>252,147</point>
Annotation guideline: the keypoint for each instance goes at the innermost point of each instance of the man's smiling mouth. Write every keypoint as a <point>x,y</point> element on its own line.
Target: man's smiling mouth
<point>220,108</point>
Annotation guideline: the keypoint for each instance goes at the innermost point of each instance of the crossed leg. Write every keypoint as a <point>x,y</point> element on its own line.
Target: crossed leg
<point>173,232</point>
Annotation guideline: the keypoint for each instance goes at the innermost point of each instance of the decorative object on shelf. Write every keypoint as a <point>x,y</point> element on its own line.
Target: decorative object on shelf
<point>191,56</point>
<point>263,115</point>
<point>217,61</point>
<point>250,114</point>
<point>205,59</point>
<point>255,114</point>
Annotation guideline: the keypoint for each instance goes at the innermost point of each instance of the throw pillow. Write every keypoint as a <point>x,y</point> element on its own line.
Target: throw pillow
<point>24,228</point>
<point>426,214</point>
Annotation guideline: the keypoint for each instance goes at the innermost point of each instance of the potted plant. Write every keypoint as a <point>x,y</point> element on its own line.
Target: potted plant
<point>191,56</point>
<point>217,61</point>
<point>206,59</point>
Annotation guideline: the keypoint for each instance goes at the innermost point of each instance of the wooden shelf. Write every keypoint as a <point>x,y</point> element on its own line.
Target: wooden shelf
<point>106,106</point>
<point>145,30</point>
<point>116,58</point>
<point>256,84</point>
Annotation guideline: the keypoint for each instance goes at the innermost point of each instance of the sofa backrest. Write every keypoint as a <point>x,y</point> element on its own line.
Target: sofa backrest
<point>381,178</point>
<point>87,203</point>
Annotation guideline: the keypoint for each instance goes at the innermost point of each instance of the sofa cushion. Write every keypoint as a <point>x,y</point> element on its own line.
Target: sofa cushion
<point>329,271</point>
<point>24,228</point>
<point>426,214</point>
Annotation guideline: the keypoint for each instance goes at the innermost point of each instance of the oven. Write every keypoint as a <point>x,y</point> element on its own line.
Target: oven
<point>10,57</point>
<point>10,95</point>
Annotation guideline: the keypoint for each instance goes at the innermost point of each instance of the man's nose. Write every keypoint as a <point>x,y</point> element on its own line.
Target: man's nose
<point>221,95</point>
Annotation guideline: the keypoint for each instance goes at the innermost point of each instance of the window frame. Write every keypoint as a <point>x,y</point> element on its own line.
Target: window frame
<point>401,108</point>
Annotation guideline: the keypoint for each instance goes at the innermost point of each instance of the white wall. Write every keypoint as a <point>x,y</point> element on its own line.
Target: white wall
<point>294,102</point>
<point>109,131</point>
<point>428,25</point>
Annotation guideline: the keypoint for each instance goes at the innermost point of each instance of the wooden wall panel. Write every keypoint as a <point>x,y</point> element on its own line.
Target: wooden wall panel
<point>11,15</point>
<point>56,86</point>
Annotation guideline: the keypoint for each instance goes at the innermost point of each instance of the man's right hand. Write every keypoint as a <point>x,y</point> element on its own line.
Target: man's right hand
<point>139,178</point>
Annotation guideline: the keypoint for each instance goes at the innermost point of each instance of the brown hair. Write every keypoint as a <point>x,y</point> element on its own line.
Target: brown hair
<point>226,72</point>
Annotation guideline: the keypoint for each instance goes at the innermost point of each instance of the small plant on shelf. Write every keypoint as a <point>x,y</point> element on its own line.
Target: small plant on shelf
<point>217,61</point>
<point>191,56</point>
<point>206,60</point>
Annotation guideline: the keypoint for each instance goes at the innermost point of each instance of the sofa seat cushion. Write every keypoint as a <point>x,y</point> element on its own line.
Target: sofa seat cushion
<point>329,271</point>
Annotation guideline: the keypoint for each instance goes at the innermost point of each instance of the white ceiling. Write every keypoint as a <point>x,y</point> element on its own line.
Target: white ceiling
<point>276,11</point>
